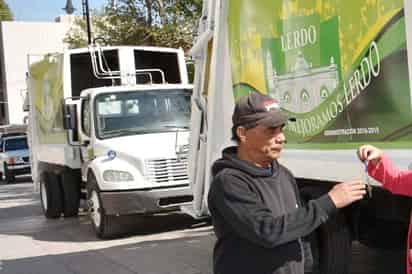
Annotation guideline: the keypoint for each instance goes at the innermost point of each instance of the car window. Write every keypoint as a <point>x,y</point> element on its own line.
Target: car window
<point>15,144</point>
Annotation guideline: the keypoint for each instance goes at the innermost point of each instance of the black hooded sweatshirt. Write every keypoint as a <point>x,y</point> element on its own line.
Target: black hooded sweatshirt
<point>258,219</point>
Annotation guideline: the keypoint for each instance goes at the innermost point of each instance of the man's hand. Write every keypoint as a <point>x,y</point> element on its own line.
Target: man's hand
<point>370,153</point>
<point>344,194</point>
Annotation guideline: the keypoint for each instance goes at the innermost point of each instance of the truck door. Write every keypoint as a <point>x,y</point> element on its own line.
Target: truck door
<point>85,131</point>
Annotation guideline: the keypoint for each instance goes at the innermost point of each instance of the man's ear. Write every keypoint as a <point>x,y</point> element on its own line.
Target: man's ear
<point>241,134</point>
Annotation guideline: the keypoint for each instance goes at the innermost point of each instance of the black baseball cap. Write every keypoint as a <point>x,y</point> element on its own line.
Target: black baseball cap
<point>258,109</point>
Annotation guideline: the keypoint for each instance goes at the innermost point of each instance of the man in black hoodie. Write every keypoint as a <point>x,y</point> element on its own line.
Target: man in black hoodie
<point>253,200</point>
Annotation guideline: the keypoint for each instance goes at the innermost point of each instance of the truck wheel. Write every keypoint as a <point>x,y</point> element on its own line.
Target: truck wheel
<point>332,246</point>
<point>71,193</point>
<point>103,224</point>
<point>50,195</point>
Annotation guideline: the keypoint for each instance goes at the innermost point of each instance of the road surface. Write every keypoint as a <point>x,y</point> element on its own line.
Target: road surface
<point>168,244</point>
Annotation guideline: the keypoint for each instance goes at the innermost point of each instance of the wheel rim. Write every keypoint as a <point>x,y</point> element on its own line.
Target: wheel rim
<point>95,209</point>
<point>43,193</point>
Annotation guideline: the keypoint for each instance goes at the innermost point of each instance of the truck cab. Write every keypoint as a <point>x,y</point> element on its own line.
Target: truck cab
<point>134,149</point>
<point>110,126</point>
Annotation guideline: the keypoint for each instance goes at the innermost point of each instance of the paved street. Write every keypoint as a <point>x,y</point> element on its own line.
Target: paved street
<point>170,244</point>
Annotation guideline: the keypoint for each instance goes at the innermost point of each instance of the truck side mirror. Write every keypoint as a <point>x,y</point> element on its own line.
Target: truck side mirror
<point>26,103</point>
<point>70,116</point>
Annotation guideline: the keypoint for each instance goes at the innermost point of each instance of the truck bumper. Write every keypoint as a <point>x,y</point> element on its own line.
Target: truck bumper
<point>145,201</point>
<point>18,169</point>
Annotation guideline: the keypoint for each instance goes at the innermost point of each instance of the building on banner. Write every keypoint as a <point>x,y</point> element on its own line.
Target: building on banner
<point>292,89</point>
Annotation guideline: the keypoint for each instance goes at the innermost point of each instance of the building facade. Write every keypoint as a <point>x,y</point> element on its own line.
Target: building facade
<point>20,41</point>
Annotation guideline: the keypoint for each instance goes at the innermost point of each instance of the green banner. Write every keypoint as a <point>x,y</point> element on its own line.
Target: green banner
<point>47,84</point>
<point>338,66</point>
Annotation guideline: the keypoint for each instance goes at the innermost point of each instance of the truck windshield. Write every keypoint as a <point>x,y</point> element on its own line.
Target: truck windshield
<point>141,112</point>
<point>15,144</point>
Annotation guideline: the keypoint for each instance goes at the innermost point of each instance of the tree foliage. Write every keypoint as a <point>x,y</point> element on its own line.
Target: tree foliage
<point>170,23</point>
<point>5,13</point>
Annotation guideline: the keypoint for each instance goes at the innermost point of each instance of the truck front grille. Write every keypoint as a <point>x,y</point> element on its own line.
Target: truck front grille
<point>166,170</point>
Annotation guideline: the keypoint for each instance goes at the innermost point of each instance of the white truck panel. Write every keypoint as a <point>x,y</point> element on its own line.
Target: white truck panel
<point>59,154</point>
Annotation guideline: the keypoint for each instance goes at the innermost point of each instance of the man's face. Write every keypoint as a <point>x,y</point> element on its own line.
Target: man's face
<point>265,142</point>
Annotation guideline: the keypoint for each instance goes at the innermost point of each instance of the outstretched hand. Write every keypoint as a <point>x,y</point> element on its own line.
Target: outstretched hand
<point>370,153</point>
<point>344,194</point>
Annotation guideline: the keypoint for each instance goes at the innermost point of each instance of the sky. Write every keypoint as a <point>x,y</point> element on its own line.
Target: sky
<point>46,10</point>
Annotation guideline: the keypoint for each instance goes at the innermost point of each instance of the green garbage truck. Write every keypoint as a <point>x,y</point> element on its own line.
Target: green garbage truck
<point>110,126</point>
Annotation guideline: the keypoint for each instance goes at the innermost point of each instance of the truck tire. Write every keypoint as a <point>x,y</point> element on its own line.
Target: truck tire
<point>104,225</point>
<point>71,193</point>
<point>332,246</point>
<point>51,195</point>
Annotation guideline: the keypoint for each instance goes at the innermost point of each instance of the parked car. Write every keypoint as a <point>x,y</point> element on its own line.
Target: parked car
<point>14,156</point>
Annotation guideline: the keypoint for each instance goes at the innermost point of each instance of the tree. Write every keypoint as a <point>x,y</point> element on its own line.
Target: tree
<point>170,23</point>
<point>5,13</point>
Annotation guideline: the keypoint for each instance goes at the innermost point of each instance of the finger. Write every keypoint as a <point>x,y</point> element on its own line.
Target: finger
<point>358,189</point>
<point>361,151</point>
<point>356,195</point>
<point>354,184</point>
<point>357,198</point>
<point>373,155</point>
<point>359,185</point>
<point>367,152</point>
<point>370,153</point>
<point>358,192</point>
<point>351,191</point>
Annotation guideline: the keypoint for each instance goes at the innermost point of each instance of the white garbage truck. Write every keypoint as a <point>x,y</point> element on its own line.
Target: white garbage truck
<point>110,125</point>
<point>343,69</point>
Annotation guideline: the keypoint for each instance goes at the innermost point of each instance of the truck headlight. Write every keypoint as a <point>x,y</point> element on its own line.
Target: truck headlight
<point>117,176</point>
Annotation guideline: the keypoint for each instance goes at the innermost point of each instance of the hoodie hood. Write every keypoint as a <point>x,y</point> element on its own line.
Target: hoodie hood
<point>231,160</point>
